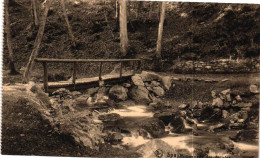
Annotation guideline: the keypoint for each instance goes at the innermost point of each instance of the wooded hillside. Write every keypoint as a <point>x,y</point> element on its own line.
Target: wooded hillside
<point>205,30</point>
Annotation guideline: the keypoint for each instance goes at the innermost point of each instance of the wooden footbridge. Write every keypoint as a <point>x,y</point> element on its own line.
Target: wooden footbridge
<point>83,83</point>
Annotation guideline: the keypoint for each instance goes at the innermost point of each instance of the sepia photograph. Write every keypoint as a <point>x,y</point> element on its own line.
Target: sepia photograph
<point>128,78</point>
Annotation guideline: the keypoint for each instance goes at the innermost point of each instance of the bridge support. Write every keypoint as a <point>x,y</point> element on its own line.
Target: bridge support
<point>45,78</point>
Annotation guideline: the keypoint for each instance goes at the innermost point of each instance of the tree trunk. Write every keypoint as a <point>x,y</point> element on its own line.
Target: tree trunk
<point>35,12</point>
<point>67,21</point>
<point>37,42</point>
<point>123,28</point>
<point>160,31</point>
<point>8,40</point>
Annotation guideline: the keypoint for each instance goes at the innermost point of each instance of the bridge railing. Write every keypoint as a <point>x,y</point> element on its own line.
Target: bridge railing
<point>44,61</point>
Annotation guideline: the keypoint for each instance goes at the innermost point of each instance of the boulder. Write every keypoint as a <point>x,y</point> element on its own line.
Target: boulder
<point>253,89</point>
<point>178,125</point>
<point>126,85</point>
<point>118,92</point>
<point>213,94</point>
<point>216,127</point>
<point>183,106</point>
<point>167,82</point>
<point>225,114</point>
<point>155,127</point>
<point>217,102</point>
<point>114,137</point>
<point>82,100</point>
<point>155,84</point>
<point>150,76</point>
<point>238,98</point>
<point>109,117</point>
<point>158,91</point>
<point>137,80</point>
<point>139,94</point>
<point>225,92</point>
<point>166,116</point>
<point>242,105</point>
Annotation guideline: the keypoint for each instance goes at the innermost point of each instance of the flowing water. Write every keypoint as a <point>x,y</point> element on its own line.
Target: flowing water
<point>133,116</point>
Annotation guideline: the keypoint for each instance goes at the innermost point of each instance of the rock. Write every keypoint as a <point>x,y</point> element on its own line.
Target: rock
<point>242,105</point>
<point>244,135</point>
<point>82,100</point>
<point>253,89</point>
<point>196,113</point>
<point>177,123</point>
<point>157,148</point>
<point>225,92</point>
<point>216,127</point>
<point>118,92</point>
<point>155,127</point>
<point>167,82</point>
<point>126,85</point>
<point>166,117</point>
<point>76,93</point>
<point>150,76</point>
<point>109,117</point>
<point>217,102</point>
<point>225,114</point>
<point>238,98</point>
<point>114,137</point>
<point>158,91</point>
<point>228,97</point>
<point>155,84</point>
<point>92,91</point>
<point>213,94</point>
<point>140,94</point>
<point>137,80</point>
<point>183,106</point>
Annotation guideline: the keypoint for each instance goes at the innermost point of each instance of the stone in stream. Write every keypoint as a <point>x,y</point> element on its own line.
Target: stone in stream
<point>82,100</point>
<point>155,127</point>
<point>166,117</point>
<point>137,80</point>
<point>167,82</point>
<point>150,76</point>
<point>155,84</point>
<point>183,106</point>
<point>225,114</point>
<point>158,91</point>
<point>156,148</point>
<point>177,123</point>
<point>109,117</point>
<point>253,89</point>
<point>217,102</point>
<point>140,95</point>
<point>242,105</point>
<point>118,92</point>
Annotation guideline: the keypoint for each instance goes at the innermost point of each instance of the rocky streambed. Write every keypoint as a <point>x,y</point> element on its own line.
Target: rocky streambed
<point>158,116</point>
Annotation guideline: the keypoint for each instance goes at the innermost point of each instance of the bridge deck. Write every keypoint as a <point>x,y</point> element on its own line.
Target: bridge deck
<point>83,83</point>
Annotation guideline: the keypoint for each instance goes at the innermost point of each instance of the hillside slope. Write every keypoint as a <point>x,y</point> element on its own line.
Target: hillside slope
<point>207,30</point>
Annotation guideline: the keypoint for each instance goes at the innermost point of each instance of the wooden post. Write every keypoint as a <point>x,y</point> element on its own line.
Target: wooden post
<point>134,62</point>
<point>121,65</point>
<point>45,79</point>
<point>100,71</point>
<point>74,73</point>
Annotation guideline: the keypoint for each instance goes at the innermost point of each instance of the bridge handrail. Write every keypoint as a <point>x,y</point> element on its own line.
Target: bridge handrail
<point>83,60</point>
<point>75,61</point>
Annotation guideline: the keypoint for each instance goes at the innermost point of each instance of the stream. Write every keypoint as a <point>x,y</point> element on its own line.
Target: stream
<point>133,116</point>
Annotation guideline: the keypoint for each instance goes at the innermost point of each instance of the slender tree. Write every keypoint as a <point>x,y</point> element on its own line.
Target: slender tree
<point>123,27</point>
<point>67,22</point>
<point>37,42</point>
<point>35,12</point>
<point>8,40</point>
<point>160,31</point>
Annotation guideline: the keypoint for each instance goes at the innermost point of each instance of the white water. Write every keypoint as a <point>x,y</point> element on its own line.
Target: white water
<point>176,141</point>
<point>133,111</point>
